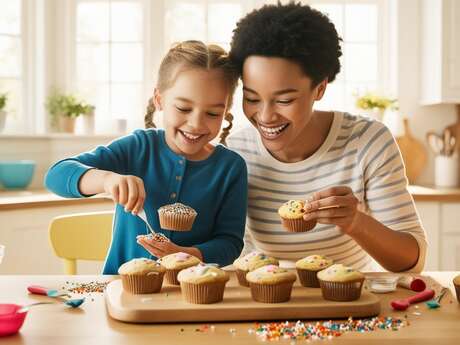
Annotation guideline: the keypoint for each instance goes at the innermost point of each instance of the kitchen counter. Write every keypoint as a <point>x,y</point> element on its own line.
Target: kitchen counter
<point>90,324</point>
<point>10,200</point>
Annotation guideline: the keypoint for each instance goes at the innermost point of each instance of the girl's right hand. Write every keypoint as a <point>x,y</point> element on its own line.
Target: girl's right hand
<point>126,190</point>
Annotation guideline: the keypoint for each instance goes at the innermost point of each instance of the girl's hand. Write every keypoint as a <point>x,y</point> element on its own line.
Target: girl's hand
<point>335,205</point>
<point>160,249</point>
<point>126,190</point>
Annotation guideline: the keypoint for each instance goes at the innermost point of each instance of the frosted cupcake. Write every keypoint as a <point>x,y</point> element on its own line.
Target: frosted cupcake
<point>176,217</point>
<point>203,284</point>
<point>291,213</point>
<point>249,263</point>
<point>340,283</point>
<point>141,276</point>
<point>271,284</point>
<point>308,267</point>
<point>457,287</point>
<point>174,263</point>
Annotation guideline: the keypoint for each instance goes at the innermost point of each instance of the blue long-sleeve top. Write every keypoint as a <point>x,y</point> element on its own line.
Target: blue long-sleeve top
<point>215,187</point>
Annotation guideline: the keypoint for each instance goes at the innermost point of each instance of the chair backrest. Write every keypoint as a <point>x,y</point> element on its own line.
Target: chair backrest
<point>81,236</point>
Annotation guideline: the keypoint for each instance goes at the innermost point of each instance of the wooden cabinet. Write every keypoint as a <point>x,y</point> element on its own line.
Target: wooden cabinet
<point>24,233</point>
<point>440,51</point>
<point>441,221</point>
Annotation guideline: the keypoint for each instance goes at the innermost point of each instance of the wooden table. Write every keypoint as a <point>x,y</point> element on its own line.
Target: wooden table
<point>56,324</point>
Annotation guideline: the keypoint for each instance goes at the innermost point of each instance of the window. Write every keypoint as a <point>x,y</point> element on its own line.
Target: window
<point>109,59</point>
<point>362,60</point>
<point>11,69</point>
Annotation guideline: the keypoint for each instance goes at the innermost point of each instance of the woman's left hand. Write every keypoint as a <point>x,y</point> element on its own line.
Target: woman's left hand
<point>336,205</point>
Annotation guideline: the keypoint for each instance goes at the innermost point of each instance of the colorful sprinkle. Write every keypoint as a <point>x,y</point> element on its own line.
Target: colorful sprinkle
<point>81,288</point>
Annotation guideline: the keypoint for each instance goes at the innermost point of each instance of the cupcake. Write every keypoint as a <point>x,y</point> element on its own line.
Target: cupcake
<point>141,275</point>
<point>271,284</point>
<point>203,284</point>
<point>176,217</point>
<point>457,287</point>
<point>249,263</point>
<point>340,283</point>
<point>174,263</point>
<point>308,267</point>
<point>291,213</point>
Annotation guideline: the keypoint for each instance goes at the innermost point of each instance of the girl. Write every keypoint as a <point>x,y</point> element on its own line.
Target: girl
<point>287,54</point>
<point>153,167</point>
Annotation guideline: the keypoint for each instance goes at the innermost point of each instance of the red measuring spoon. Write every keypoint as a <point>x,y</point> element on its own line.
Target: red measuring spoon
<point>403,304</point>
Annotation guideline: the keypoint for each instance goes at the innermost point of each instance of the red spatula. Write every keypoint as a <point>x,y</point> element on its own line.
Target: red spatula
<point>403,304</point>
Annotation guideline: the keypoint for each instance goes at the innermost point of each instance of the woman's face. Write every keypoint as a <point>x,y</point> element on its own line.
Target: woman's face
<point>278,98</point>
<point>193,110</point>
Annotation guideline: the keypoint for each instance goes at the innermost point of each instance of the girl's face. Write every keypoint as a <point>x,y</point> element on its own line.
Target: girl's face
<point>193,109</point>
<point>278,99</point>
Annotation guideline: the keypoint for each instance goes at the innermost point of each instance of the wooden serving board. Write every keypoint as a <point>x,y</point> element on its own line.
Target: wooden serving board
<point>169,307</point>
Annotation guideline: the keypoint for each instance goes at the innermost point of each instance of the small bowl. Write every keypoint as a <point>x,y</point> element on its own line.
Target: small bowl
<point>10,320</point>
<point>16,174</point>
<point>382,284</point>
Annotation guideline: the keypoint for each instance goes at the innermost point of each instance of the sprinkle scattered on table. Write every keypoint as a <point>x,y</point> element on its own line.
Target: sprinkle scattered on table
<point>324,330</point>
<point>90,287</point>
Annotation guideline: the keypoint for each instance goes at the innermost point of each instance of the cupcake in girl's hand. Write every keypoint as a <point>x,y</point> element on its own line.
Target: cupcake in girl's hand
<point>456,282</point>
<point>291,213</point>
<point>308,267</point>
<point>174,263</point>
<point>249,263</point>
<point>271,284</point>
<point>176,217</point>
<point>203,284</point>
<point>141,276</point>
<point>340,283</point>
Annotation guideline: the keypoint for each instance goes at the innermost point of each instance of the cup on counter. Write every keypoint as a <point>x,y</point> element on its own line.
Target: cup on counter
<point>446,171</point>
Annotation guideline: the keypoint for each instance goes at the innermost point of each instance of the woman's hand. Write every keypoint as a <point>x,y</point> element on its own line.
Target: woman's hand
<point>335,205</point>
<point>160,249</point>
<point>126,190</point>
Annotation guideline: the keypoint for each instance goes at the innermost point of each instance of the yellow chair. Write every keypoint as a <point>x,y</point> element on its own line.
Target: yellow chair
<point>82,236</point>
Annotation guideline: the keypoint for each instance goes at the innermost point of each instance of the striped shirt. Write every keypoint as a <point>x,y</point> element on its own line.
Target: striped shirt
<point>358,152</point>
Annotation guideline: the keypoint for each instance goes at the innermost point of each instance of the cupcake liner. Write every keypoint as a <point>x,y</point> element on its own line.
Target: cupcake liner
<point>308,278</point>
<point>176,222</point>
<point>341,291</point>
<point>203,293</point>
<point>298,225</point>
<point>171,276</point>
<point>241,276</point>
<point>271,293</point>
<point>457,291</point>
<point>142,284</point>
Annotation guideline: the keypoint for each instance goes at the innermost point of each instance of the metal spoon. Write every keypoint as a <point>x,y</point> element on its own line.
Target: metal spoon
<point>27,307</point>
<point>143,216</point>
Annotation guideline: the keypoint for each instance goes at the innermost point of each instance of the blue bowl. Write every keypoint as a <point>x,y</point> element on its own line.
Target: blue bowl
<point>16,174</point>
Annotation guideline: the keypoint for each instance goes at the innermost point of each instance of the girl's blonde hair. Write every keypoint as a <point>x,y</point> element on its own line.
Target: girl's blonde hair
<point>194,54</point>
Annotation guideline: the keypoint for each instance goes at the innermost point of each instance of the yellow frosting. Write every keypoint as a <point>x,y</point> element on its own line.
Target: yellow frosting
<point>178,261</point>
<point>339,273</point>
<point>140,266</point>
<point>314,263</point>
<point>292,209</point>
<point>270,274</point>
<point>201,274</point>
<point>254,260</point>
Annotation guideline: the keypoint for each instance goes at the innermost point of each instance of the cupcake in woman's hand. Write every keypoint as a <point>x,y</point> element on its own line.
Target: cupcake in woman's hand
<point>291,213</point>
<point>176,217</point>
<point>141,276</point>
<point>271,284</point>
<point>308,267</point>
<point>340,283</point>
<point>174,263</point>
<point>203,284</point>
<point>457,287</point>
<point>249,263</point>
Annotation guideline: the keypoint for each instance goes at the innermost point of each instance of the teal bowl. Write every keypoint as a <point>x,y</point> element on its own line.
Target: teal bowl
<point>16,174</point>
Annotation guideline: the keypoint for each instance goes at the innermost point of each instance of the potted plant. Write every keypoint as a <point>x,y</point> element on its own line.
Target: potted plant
<point>64,110</point>
<point>376,103</point>
<point>3,101</point>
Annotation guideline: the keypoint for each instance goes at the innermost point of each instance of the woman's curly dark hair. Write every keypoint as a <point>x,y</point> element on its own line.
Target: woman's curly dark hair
<point>293,31</point>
